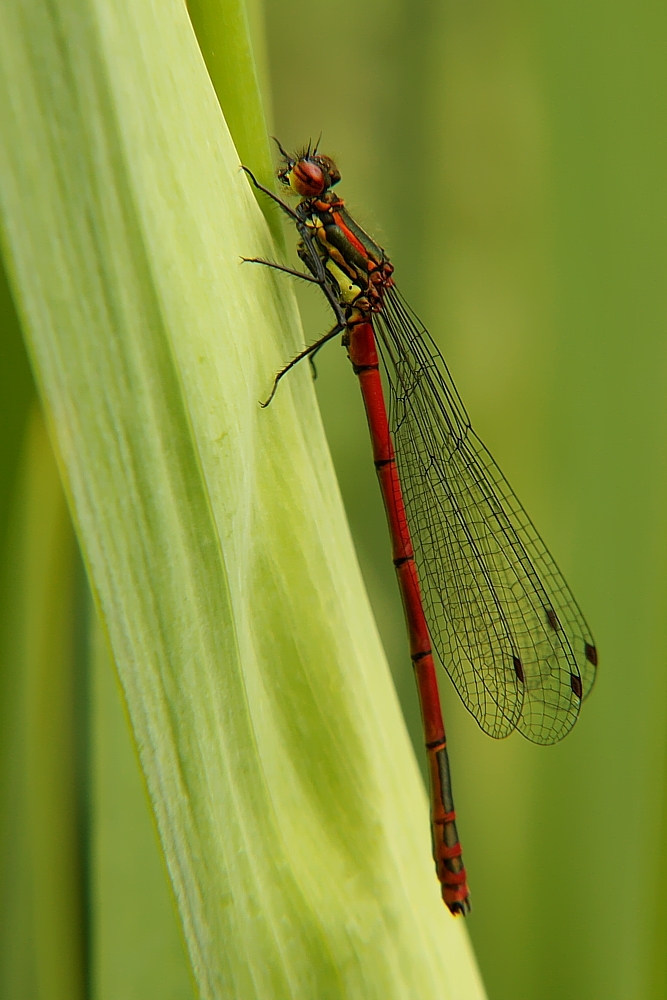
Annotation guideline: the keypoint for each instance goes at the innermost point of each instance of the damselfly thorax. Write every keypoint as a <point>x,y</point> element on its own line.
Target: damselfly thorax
<point>359,267</point>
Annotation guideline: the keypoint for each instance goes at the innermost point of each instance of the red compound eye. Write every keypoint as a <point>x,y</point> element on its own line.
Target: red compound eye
<point>308,179</point>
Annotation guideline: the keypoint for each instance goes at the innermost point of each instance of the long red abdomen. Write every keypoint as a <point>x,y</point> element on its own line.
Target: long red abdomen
<point>446,847</point>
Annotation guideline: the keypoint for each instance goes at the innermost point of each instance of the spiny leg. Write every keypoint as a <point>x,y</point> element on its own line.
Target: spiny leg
<point>311,359</point>
<point>314,281</point>
<point>320,282</point>
<point>274,197</point>
<point>299,357</point>
<point>285,270</point>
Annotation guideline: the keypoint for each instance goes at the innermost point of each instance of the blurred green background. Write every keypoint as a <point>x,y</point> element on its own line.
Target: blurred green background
<point>512,159</point>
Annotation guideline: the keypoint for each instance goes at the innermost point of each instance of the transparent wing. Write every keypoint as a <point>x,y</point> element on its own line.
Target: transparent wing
<point>502,618</point>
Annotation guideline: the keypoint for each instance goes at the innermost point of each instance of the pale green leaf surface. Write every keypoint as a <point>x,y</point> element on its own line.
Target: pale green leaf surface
<point>290,812</point>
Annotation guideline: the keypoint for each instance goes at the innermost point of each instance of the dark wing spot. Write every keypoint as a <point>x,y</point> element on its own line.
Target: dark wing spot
<point>519,669</point>
<point>591,654</point>
<point>575,683</point>
<point>552,618</point>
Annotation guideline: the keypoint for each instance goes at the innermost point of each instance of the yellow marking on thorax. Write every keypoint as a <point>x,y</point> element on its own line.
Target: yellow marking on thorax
<point>349,292</point>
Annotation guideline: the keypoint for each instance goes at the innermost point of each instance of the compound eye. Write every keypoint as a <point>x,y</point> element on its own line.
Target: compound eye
<point>332,170</point>
<point>307,179</point>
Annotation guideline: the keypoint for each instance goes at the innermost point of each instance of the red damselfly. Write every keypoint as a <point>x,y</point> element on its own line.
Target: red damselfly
<point>479,587</point>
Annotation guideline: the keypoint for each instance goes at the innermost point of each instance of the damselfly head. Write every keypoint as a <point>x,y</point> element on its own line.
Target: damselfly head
<point>308,173</point>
